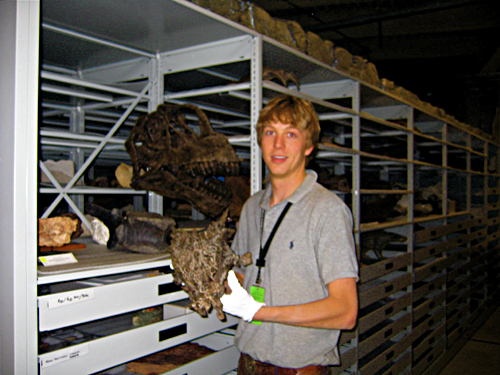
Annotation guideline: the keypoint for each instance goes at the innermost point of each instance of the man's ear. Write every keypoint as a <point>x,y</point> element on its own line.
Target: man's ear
<point>309,150</point>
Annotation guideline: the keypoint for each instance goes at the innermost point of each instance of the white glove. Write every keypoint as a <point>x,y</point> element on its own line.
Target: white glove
<point>239,303</point>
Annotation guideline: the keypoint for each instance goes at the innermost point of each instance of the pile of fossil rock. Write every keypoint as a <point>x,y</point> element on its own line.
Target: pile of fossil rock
<point>291,34</point>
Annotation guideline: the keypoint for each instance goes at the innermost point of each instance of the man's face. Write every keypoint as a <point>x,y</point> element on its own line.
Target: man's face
<point>284,150</point>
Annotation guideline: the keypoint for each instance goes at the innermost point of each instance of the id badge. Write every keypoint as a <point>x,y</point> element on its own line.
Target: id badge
<point>258,293</point>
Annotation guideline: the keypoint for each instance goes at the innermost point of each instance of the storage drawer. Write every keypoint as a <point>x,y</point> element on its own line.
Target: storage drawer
<point>456,333</point>
<point>384,312</point>
<point>384,267</point>
<point>346,336</point>
<point>93,356</point>
<point>459,287</point>
<point>480,246</point>
<point>429,323</point>
<point>347,359</point>
<point>457,273</point>
<point>428,288</point>
<point>493,237</point>
<point>428,306</point>
<point>422,363</point>
<point>377,339</point>
<point>431,251</point>
<point>429,341</point>
<point>84,305</point>
<point>458,301</point>
<point>430,233</point>
<point>493,206</point>
<point>376,293</point>
<point>458,257</point>
<point>224,359</point>
<point>401,365</point>
<point>220,362</point>
<point>493,221</point>
<point>455,317</point>
<point>430,269</point>
<point>386,357</point>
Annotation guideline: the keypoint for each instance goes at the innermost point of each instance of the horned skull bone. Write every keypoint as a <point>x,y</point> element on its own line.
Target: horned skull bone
<point>171,159</point>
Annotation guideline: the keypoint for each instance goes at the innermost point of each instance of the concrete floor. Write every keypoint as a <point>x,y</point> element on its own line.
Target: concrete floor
<point>481,353</point>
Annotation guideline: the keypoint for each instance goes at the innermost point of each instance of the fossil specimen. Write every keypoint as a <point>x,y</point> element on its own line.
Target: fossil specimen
<point>201,261</point>
<point>169,158</point>
<point>56,231</point>
<point>140,232</point>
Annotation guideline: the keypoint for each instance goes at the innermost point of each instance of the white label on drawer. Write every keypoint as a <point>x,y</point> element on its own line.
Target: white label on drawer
<point>64,355</point>
<point>72,297</point>
<point>55,260</point>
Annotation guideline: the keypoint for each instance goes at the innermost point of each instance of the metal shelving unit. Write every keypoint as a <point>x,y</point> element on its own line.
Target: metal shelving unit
<point>105,63</point>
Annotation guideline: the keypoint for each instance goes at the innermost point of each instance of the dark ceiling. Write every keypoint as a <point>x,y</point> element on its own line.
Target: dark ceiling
<point>447,52</point>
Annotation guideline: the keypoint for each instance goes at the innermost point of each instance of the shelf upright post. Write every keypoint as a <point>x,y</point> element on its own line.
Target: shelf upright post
<point>77,155</point>
<point>468,167</point>
<point>444,179</point>
<point>155,201</point>
<point>356,180</point>
<point>356,162</point>
<point>255,107</point>
<point>19,74</point>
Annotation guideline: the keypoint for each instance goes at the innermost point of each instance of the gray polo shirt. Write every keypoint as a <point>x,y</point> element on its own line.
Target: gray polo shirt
<point>313,246</point>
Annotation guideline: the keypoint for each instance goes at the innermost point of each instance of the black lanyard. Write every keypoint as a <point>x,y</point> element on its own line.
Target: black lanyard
<point>261,262</point>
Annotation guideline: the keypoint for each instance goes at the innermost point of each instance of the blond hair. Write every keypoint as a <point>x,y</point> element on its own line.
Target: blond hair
<point>297,112</point>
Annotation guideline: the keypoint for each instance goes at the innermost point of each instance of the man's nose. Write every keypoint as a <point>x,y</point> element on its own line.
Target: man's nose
<point>278,141</point>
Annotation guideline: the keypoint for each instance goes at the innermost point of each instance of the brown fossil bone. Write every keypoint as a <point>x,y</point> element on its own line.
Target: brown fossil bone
<point>139,232</point>
<point>169,158</point>
<point>201,261</point>
<point>282,75</point>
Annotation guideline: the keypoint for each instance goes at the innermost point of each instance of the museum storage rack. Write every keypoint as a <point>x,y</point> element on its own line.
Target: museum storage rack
<point>104,63</point>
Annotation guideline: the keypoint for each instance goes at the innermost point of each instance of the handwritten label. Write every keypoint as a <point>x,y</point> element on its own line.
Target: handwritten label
<point>64,355</point>
<point>70,298</point>
<point>54,260</point>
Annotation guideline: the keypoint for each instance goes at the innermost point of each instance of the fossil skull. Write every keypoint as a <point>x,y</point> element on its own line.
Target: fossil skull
<point>169,158</point>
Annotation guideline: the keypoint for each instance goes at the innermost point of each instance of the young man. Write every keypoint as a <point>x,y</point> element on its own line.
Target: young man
<point>297,296</point>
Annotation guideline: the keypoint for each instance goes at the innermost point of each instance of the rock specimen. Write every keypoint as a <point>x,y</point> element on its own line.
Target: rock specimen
<point>56,231</point>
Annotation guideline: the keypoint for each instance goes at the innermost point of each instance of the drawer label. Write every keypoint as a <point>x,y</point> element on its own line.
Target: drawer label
<point>70,298</point>
<point>64,355</point>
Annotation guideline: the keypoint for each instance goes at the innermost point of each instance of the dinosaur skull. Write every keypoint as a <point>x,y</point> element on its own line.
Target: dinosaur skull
<point>201,262</point>
<point>170,159</point>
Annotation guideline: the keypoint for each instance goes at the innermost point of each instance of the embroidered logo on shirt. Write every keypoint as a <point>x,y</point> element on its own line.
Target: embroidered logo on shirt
<point>291,245</point>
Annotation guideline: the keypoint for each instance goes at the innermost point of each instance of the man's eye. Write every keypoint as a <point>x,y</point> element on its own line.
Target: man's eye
<point>292,135</point>
<point>268,132</point>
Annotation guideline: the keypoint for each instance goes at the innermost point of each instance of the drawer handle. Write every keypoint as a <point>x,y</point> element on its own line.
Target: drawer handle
<point>168,288</point>
<point>388,266</point>
<point>431,287</point>
<point>433,269</point>
<point>389,288</point>
<point>431,322</point>
<point>172,332</point>
<point>431,340</point>
<point>432,304</point>
<point>430,358</point>
<point>389,355</point>
<point>389,310</point>
<point>432,251</point>
<point>459,226</point>
<point>433,233</point>
<point>388,333</point>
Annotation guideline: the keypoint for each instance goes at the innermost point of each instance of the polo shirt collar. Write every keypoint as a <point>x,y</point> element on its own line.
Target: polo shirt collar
<point>304,188</point>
